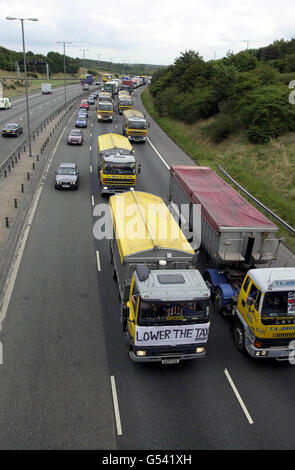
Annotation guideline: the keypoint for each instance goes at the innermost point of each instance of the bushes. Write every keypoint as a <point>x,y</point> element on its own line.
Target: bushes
<point>221,128</point>
<point>266,112</point>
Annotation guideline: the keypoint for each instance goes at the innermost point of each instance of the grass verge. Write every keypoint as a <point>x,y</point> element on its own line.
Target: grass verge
<point>266,171</point>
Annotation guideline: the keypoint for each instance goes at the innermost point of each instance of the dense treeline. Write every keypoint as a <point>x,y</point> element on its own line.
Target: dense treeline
<point>244,91</point>
<point>36,63</point>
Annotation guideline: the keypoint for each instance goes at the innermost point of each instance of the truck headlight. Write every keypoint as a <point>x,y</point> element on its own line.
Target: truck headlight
<point>140,353</point>
<point>99,116</point>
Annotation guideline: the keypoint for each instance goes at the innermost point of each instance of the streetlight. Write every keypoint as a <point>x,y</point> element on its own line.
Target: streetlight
<point>64,44</point>
<point>25,72</point>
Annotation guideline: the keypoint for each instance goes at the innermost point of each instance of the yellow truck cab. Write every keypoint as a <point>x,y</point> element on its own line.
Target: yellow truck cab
<point>124,102</point>
<point>105,111</point>
<point>165,303</point>
<point>117,167</point>
<point>265,313</point>
<point>134,125</point>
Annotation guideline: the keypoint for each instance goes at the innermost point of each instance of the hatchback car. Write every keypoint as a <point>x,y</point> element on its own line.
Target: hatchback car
<point>75,137</point>
<point>83,111</point>
<point>84,104</point>
<point>91,100</point>
<point>12,129</point>
<point>81,121</point>
<point>67,176</point>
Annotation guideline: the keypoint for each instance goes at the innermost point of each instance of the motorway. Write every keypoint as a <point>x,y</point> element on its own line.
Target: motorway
<point>40,107</point>
<point>67,382</point>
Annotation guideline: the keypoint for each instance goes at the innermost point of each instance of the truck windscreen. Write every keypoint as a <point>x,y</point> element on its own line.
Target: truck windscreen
<point>278,304</point>
<point>137,125</point>
<point>105,107</point>
<point>162,313</point>
<point>119,169</point>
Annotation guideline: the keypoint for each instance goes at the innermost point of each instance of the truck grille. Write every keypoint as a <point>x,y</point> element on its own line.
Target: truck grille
<point>137,133</point>
<point>119,181</point>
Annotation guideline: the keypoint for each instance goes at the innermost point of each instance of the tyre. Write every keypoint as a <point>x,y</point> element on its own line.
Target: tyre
<point>239,336</point>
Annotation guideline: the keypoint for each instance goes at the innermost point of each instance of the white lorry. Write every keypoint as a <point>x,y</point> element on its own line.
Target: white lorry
<point>46,88</point>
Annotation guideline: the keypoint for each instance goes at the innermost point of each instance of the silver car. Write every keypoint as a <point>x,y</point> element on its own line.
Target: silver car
<point>67,176</point>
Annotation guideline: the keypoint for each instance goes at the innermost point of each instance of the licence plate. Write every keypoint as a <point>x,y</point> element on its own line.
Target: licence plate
<point>66,185</point>
<point>170,361</point>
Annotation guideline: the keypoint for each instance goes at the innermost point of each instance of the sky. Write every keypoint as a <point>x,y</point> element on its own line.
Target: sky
<point>145,31</point>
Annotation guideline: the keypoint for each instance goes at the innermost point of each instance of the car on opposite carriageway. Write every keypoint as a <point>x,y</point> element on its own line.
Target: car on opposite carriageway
<point>12,129</point>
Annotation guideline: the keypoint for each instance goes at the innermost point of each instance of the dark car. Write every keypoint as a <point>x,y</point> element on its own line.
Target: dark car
<point>12,129</point>
<point>67,176</point>
<point>84,104</point>
<point>81,122</point>
<point>75,137</point>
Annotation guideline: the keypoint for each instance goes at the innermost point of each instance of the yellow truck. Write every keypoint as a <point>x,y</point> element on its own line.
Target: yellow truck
<point>264,313</point>
<point>134,125</point>
<point>105,111</point>
<point>165,303</point>
<point>124,102</point>
<point>117,167</point>
<point>107,76</point>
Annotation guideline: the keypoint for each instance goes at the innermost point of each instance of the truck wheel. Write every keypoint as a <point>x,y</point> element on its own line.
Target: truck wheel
<point>239,336</point>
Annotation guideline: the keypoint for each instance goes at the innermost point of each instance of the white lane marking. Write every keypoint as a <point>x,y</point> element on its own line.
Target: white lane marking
<point>90,148</point>
<point>116,406</point>
<point>92,200</point>
<point>90,168</point>
<point>98,261</point>
<point>160,156</point>
<point>8,289</point>
<point>238,396</point>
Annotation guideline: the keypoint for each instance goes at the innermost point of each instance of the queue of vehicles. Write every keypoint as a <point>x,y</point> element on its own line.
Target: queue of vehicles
<point>165,302</point>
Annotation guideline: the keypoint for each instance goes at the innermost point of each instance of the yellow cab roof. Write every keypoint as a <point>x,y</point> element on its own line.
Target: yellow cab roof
<point>143,222</point>
<point>110,141</point>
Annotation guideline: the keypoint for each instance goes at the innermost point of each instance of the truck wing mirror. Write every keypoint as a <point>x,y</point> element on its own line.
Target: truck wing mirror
<point>138,168</point>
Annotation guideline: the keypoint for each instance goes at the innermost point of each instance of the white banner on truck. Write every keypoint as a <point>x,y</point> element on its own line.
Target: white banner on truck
<point>171,335</point>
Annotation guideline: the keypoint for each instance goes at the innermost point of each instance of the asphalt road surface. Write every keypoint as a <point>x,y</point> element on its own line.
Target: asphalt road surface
<point>67,382</point>
<point>40,107</point>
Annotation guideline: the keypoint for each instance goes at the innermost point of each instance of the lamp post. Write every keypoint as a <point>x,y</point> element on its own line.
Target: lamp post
<point>25,73</point>
<point>64,45</point>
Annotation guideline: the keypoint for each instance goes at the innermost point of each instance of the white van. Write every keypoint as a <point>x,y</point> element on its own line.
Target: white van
<point>5,103</point>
